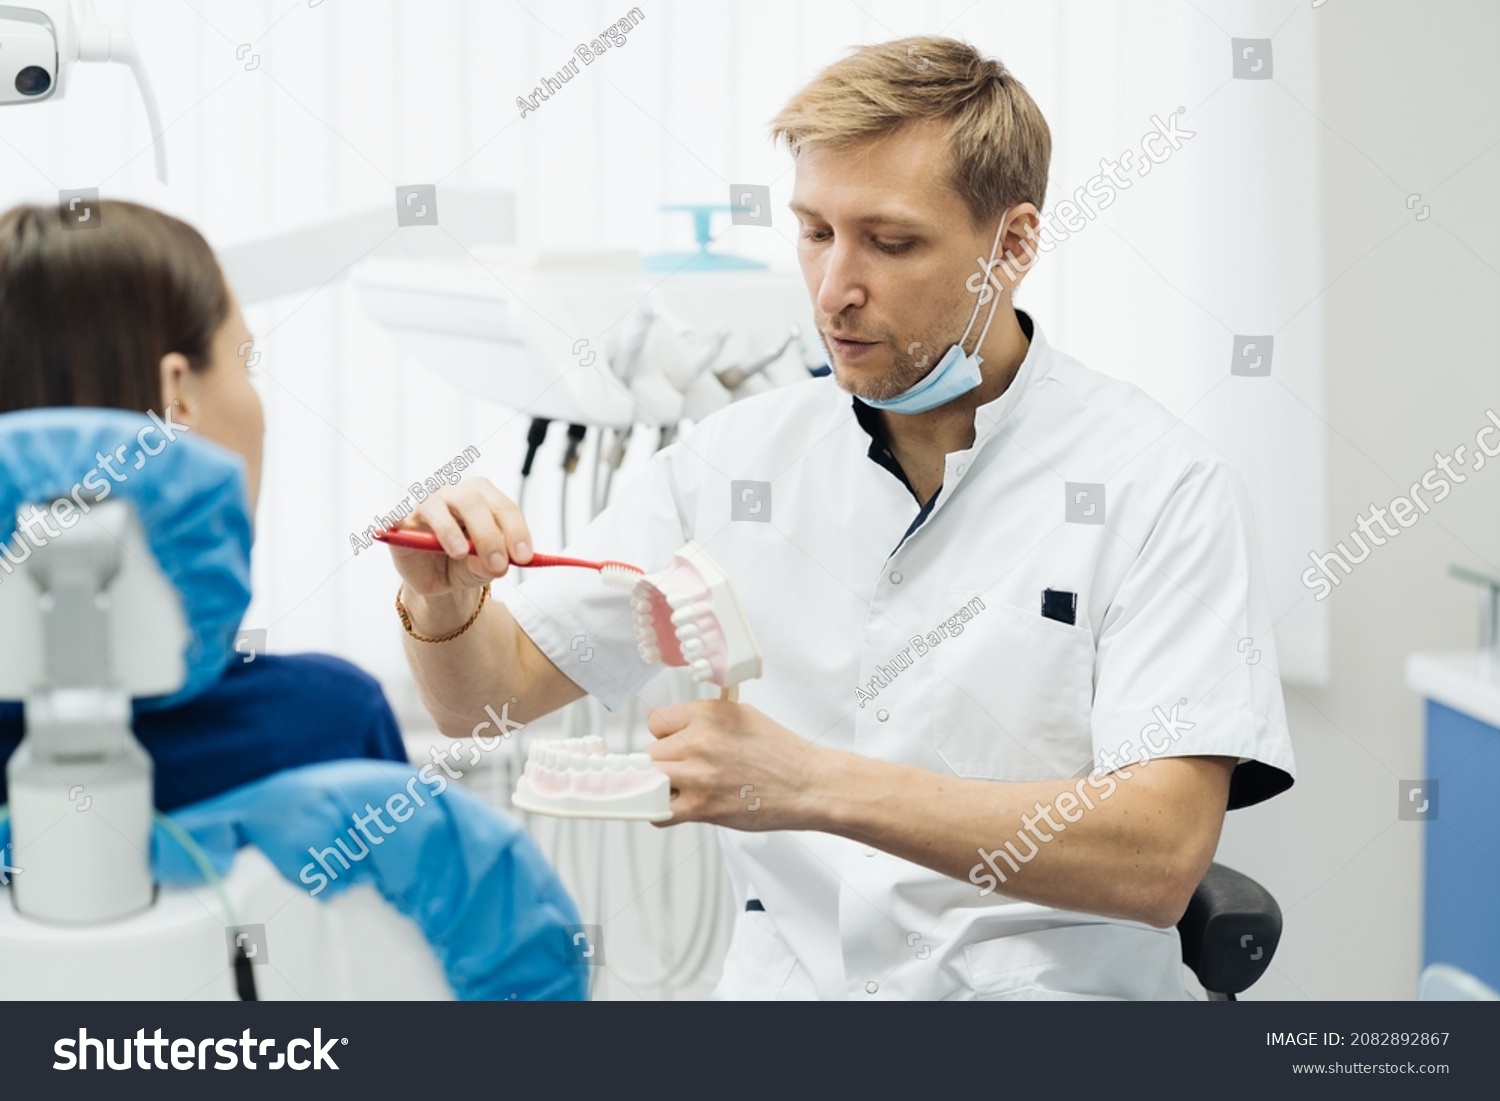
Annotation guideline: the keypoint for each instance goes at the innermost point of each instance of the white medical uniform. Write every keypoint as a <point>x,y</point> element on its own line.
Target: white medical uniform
<point>841,573</point>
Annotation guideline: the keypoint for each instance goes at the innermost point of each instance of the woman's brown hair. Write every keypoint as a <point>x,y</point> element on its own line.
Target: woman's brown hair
<point>88,312</point>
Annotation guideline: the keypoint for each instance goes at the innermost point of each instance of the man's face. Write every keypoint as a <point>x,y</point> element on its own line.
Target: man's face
<point>886,247</point>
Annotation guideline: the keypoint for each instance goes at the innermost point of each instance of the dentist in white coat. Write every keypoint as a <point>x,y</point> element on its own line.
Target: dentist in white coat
<point>1002,598</point>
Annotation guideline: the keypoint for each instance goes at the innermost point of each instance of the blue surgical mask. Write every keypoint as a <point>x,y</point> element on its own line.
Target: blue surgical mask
<point>956,373</point>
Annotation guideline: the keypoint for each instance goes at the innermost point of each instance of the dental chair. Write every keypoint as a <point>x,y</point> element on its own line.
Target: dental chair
<point>1229,932</point>
<point>135,591</point>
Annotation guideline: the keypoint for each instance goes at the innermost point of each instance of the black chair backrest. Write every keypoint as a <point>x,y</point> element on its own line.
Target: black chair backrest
<point>1230,931</point>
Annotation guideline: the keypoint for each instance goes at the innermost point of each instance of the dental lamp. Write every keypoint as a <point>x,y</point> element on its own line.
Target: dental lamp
<point>507,324</point>
<point>41,40</point>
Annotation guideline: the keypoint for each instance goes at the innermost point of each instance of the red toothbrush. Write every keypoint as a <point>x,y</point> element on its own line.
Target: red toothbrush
<point>620,575</point>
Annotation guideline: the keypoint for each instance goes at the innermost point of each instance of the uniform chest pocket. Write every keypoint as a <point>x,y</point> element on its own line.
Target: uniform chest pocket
<point>1010,692</point>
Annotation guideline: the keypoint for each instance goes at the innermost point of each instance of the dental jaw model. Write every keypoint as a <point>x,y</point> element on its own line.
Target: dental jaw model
<point>686,615</point>
<point>577,778</point>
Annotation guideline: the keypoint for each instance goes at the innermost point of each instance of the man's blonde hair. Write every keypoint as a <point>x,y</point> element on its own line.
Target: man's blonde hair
<point>998,142</point>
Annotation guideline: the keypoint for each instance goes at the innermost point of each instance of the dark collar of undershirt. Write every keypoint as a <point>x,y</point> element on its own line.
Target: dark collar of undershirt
<point>870,420</point>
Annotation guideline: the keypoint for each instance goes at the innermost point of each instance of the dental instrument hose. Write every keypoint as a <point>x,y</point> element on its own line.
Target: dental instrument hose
<point>576,433</point>
<point>244,976</point>
<point>536,435</point>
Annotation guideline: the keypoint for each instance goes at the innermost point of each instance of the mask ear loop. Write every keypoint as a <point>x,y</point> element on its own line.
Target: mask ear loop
<point>985,286</point>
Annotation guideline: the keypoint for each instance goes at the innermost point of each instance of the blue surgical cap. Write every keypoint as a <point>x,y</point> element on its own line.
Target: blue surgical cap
<point>188,493</point>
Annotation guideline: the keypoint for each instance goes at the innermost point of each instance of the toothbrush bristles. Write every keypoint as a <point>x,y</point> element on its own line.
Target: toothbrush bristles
<point>619,576</point>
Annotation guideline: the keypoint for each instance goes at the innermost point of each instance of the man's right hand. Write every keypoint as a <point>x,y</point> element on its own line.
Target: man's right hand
<point>438,588</point>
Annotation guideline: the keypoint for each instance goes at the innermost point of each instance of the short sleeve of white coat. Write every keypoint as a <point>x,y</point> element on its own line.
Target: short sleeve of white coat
<point>585,627</point>
<point>1186,660</point>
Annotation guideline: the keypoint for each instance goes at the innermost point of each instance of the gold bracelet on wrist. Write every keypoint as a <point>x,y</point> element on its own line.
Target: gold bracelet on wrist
<point>484,594</point>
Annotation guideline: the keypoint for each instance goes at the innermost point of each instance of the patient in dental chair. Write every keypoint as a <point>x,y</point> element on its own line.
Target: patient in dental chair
<point>136,315</point>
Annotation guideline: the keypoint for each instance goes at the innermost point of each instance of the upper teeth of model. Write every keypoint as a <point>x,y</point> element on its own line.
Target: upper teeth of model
<point>684,614</point>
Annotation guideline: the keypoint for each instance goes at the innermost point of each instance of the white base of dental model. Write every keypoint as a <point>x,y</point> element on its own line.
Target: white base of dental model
<point>577,778</point>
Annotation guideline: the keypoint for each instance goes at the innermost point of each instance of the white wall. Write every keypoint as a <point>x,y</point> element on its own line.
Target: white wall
<point>1410,105</point>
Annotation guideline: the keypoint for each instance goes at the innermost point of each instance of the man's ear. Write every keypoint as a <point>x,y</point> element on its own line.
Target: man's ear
<point>176,374</point>
<point>1021,244</point>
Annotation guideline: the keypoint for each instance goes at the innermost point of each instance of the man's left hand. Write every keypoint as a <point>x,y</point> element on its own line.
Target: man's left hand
<point>733,766</point>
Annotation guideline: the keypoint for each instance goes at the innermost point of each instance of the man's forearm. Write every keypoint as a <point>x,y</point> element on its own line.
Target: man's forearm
<point>1131,844</point>
<point>457,678</point>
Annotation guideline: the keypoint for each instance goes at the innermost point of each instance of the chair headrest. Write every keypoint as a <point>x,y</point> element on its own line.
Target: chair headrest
<point>189,494</point>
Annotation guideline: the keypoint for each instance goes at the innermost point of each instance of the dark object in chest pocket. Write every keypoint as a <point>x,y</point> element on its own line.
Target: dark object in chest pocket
<point>1060,605</point>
